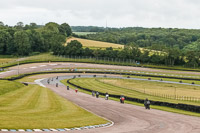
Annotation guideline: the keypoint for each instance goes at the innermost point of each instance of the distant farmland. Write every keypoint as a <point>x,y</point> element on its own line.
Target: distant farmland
<point>96,44</point>
<point>84,33</point>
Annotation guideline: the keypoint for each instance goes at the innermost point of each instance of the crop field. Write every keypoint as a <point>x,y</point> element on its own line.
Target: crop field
<point>96,44</point>
<point>167,92</point>
<point>29,107</point>
<point>99,44</point>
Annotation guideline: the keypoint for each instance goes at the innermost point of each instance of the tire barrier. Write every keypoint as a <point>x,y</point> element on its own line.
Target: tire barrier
<point>186,107</point>
<point>26,84</point>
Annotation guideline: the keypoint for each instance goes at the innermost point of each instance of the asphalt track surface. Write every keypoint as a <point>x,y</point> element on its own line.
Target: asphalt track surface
<point>127,118</point>
<point>35,67</point>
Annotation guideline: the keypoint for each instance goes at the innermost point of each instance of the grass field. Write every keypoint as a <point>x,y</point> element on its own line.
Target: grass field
<point>157,87</point>
<point>84,33</point>
<point>95,44</point>
<point>140,89</point>
<point>7,86</point>
<point>30,107</point>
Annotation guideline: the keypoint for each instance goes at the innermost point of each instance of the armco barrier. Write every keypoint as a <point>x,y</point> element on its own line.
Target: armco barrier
<point>186,107</point>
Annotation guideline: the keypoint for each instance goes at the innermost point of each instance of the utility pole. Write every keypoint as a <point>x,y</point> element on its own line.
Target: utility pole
<point>175,93</point>
<point>18,68</point>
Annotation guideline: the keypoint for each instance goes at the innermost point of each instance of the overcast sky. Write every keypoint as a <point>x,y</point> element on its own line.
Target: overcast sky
<point>117,13</point>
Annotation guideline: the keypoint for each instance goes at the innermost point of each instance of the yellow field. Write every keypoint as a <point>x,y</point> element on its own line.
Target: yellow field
<point>99,44</point>
<point>95,44</point>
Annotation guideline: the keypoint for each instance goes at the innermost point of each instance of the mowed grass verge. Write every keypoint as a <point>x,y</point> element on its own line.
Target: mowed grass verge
<point>30,107</point>
<point>138,89</point>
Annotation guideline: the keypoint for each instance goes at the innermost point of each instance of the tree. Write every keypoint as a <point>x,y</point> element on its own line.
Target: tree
<point>22,43</point>
<point>133,51</point>
<point>74,48</point>
<point>144,57</point>
<point>20,25</point>
<point>87,52</point>
<point>5,38</point>
<point>52,27</point>
<point>1,23</point>
<point>65,29</point>
<point>36,41</point>
<point>173,55</point>
<point>192,58</point>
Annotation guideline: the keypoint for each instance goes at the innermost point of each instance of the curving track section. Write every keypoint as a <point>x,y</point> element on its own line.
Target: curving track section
<point>127,118</point>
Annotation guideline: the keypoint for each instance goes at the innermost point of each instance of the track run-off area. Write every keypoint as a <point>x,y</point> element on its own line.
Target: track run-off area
<point>127,118</point>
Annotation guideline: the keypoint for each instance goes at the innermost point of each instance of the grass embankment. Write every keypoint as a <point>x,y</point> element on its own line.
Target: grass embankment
<point>32,106</point>
<point>7,86</point>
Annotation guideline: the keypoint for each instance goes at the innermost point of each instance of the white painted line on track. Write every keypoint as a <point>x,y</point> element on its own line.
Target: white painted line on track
<point>33,67</point>
<point>53,64</point>
<point>38,81</point>
<point>43,65</point>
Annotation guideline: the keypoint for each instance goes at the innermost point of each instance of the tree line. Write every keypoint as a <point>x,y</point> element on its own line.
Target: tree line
<point>152,38</point>
<point>133,52</point>
<point>24,40</point>
<point>182,46</point>
<point>87,29</point>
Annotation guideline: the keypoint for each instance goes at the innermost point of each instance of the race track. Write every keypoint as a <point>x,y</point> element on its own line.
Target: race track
<point>127,118</point>
<point>36,67</point>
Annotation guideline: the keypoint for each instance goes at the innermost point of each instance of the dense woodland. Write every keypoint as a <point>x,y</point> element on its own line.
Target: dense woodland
<point>177,46</point>
<point>20,40</point>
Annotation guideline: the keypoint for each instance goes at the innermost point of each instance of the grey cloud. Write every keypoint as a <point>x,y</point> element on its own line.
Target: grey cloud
<point>146,13</point>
